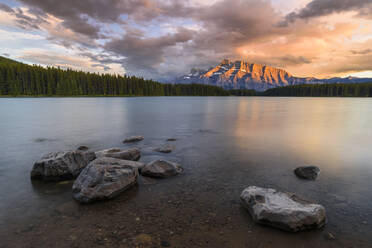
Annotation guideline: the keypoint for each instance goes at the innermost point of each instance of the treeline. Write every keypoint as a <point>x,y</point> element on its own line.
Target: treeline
<point>323,90</point>
<point>18,79</point>
<point>243,92</point>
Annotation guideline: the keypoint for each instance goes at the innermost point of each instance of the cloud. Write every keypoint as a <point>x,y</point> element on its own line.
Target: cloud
<point>361,52</point>
<point>319,8</point>
<point>163,38</point>
<point>144,54</point>
<point>294,60</point>
<point>6,8</point>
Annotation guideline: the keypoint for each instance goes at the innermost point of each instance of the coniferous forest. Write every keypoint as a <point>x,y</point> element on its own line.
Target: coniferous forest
<point>18,79</point>
<point>323,90</point>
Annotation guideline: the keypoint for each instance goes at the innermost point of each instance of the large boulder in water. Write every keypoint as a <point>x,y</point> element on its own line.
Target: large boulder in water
<point>161,168</point>
<point>164,148</point>
<point>307,172</point>
<point>282,210</point>
<point>133,139</point>
<point>59,166</point>
<point>133,154</point>
<point>104,178</point>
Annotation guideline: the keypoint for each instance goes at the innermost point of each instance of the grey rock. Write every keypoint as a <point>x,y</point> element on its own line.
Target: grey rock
<point>307,172</point>
<point>104,178</point>
<point>59,166</point>
<point>83,148</point>
<point>133,139</point>
<point>165,148</point>
<point>161,168</point>
<point>282,210</point>
<point>129,154</point>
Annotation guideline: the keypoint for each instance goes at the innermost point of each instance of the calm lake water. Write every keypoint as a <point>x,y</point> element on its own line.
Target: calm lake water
<point>224,143</point>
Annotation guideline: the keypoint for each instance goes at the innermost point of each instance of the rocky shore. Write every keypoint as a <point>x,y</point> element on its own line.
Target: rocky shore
<point>105,174</point>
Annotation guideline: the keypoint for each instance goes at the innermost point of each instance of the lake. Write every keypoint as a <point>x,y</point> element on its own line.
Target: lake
<point>224,144</point>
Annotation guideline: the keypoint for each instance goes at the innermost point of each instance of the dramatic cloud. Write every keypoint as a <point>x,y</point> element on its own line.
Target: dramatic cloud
<point>318,8</point>
<point>146,53</point>
<point>162,39</point>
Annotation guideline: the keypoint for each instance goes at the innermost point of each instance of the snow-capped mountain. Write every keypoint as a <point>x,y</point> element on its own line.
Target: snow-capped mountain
<point>244,75</point>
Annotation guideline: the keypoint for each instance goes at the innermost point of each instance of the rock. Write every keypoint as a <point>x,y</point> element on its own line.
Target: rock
<point>83,148</point>
<point>133,139</point>
<point>165,243</point>
<point>281,210</point>
<point>104,178</point>
<point>171,139</point>
<point>133,154</point>
<point>307,172</point>
<point>60,166</point>
<point>165,148</point>
<point>161,168</point>
<point>330,236</point>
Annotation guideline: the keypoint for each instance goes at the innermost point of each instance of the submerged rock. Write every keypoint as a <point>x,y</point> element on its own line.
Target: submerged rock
<point>165,148</point>
<point>307,172</point>
<point>104,178</point>
<point>282,210</point>
<point>129,154</point>
<point>133,139</point>
<point>59,166</point>
<point>161,168</point>
<point>83,148</point>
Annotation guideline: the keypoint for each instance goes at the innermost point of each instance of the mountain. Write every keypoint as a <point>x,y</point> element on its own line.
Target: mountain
<point>244,75</point>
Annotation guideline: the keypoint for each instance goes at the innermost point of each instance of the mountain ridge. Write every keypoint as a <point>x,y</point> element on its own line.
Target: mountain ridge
<point>241,74</point>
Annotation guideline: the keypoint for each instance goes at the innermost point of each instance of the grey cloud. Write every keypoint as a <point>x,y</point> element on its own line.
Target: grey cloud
<point>82,26</point>
<point>293,60</point>
<point>6,8</point>
<point>75,13</point>
<point>103,58</point>
<point>24,21</point>
<point>361,52</point>
<point>239,23</point>
<point>144,54</point>
<point>318,8</point>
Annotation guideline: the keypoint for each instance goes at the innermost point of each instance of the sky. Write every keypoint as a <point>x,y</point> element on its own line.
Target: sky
<point>163,39</point>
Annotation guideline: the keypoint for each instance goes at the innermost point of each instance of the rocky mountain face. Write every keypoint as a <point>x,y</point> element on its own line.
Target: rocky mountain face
<point>244,75</point>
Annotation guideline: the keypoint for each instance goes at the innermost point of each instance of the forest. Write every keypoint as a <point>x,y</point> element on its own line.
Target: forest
<point>18,79</point>
<point>323,90</point>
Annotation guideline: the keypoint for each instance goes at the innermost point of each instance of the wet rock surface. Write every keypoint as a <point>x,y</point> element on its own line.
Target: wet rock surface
<point>164,148</point>
<point>161,169</point>
<point>133,139</point>
<point>129,154</point>
<point>104,178</point>
<point>59,166</point>
<point>307,172</point>
<point>282,210</point>
<point>83,148</point>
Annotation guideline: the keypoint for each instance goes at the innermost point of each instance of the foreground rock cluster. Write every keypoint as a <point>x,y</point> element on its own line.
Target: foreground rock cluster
<point>59,166</point>
<point>282,210</point>
<point>103,174</point>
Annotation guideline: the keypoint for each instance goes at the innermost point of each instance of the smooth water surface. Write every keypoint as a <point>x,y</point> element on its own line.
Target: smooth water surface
<point>224,143</point>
